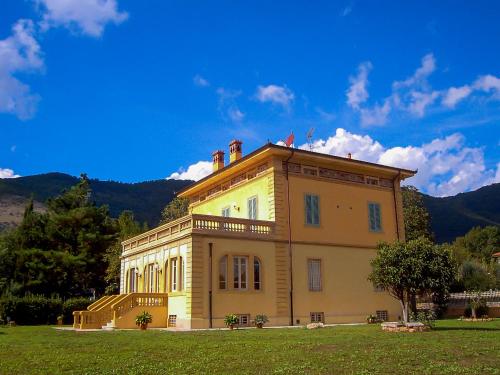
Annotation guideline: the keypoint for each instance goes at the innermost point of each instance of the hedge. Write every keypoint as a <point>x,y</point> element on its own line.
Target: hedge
<point>32,309</point>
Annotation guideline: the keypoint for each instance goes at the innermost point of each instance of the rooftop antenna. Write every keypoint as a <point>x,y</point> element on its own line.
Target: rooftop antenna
<point>309,136</point>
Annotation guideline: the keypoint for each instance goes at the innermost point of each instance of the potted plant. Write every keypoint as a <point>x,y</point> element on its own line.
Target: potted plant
<point>370,319</point>
<point>231,320</point>
<point>260,320</point>
<point>143,319</point>
<point>60,319</point>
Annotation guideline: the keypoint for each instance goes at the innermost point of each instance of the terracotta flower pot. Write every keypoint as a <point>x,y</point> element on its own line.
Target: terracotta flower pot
<point>231,326</point>
<point>260,325</point>
<point>144,327</point>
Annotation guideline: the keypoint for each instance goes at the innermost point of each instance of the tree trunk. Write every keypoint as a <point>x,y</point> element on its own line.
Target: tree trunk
<point>413,304</point>
<point>404,307</point>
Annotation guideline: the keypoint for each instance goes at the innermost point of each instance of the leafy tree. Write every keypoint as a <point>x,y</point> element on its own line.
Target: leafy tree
<point>479,243</point>
<point>412,268</point>
<point>128,227</point>
<point>416,216</point>
<point>176,209</point>
<point>475,276</point>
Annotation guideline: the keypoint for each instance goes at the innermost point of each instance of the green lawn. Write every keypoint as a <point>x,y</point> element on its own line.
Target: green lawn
<point>452,348</point>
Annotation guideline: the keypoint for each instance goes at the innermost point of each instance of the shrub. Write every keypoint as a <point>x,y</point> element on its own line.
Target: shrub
<point>74,304</point>
<point>143,319</point>
<point>30,309</point>
<point>260,320</point>
<point>231,320</point>
<point>481,310</point>
<point>427,317</point>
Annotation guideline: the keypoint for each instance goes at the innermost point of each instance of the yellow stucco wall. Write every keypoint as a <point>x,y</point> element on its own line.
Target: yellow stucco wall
<point>237,197</point>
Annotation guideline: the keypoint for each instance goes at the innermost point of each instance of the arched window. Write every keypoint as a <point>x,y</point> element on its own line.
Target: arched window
<point>132,280</point>
<point>223,272</point>
<point>257,274</point>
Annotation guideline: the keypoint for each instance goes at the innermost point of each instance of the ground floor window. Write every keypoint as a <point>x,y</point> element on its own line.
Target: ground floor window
<point>243,320</point>
<point>172,320</point>
<point>382,315</point>
<point>317,317</point>
<point>133,278</point>
<point>240,272</point>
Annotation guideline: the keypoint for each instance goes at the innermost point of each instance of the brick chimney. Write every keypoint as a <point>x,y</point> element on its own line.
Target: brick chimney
<point>234,151</point>
<point>218,160</point>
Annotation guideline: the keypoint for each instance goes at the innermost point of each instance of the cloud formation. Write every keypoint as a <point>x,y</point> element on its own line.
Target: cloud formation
<point>88,17</point>
<point>446,166</point>
<point>200,81</point>
<point>279,95</point>
<point>8,173</point>
<point>19,53</point>
<point>413,95</point>
<point>194,172</point>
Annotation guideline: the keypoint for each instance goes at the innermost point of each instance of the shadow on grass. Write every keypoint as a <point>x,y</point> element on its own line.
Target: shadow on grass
<point>466,329</point>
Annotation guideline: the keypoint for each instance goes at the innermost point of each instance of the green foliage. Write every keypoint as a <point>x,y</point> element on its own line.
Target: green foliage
<point>260,320</point>
<point>476,276</point>
<point>176,209</point>
<point>412,268</point>
<point>427,317</point>
<point>479,244</point>
<point>416,216</point>
<point>231,320</point>
<point>74,304</point>
<point>481,310</point>
<point>127,227</point>
<point>30,309</point>
<point>60,251</point>
<point>143,319</point>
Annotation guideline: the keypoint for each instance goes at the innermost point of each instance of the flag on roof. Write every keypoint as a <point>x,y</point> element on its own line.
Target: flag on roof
<point>289,140</point>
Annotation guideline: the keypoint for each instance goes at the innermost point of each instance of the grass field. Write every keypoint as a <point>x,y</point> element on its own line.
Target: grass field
<point>452,348</point>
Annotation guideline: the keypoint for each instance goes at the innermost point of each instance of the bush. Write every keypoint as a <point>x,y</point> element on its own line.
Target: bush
<point>481,310</point>
<point>30,309</point>
<point>231,320</point>
<point>426,317</point>
<point>74,304</point>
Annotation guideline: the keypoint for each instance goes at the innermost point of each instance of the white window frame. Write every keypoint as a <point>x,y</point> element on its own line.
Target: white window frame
<point>240,263</point>
<point>173,275</point>
<point>252,207</point>
<point>226,211</point>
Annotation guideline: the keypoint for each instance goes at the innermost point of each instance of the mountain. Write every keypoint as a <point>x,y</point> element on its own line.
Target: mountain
<point>454,216</point>
<point>451,216</point>
<point>145,199</point>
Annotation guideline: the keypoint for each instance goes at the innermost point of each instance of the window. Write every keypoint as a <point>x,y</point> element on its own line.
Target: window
<point>312,209</point>
<point>252,208</point>
<point>223,273</point>
<point>173,274</point>
<point>314,274</point>
<point>243,320</point>
<point>172,320</point>
<point>226,212</point>
<point>256,274</point>
<point>382,315</point>
<point>133,275</point>
<point>181,274</point>
<point>152,278</point>
<point>240,272</point>
<point>317,317</point>
<point>374,217</point>
<point>165,286</point>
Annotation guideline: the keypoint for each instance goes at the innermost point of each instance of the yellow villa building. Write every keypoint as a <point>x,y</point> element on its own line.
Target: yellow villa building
<point>284,232</point>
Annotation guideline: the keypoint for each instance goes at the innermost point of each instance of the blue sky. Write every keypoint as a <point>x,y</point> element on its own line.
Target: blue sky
<point>133,90</point>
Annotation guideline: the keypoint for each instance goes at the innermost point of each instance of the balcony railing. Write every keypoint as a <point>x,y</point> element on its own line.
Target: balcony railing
<point>201,224</point>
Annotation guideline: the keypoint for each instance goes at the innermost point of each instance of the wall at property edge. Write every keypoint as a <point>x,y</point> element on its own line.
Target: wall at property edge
<point>267,301</point>
<point>346,295</point>
<point>343,211</point>
<point>260,186</point>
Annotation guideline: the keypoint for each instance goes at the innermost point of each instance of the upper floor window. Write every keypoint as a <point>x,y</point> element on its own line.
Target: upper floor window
<point>240,272</point>
<point>374,217</point>
<point>226,211</point>
<point>223,272</point>
<point>256,274</point>
<point>311,209</point>
<point>252,208</point>
<point>314,274</point>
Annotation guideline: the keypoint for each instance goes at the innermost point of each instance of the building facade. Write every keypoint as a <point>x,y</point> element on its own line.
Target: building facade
<point>283,232</point>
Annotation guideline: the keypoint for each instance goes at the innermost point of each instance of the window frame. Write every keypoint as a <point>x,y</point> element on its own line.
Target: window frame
<point>259,262</point>
<point>310,285</point>
<point>226,209</point>
<point>312,224</point>
<point>237,276</point>
<point>253,198</point>
<point>174,285</point>
<point>379,229</point>
<point>226,263</point>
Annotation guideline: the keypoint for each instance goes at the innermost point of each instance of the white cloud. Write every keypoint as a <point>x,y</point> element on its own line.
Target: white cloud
<point>445,165</point>
<point>419,101</point>
<point>235,114</point>
<point>7,173</point>
<point>200,81</point>
<point>377,115</point>
<point>488,83</point>
<point>86,16</point>
<point>19,53</point>
<point>194,172</point>
<point>357,92</point>
<point>428,66</point>
<point>280,95</point>
<point>456,94</point>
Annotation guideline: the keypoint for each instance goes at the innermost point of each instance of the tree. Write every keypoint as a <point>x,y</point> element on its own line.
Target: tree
<point>412,268</point>
<point>176,209</point>
<point>128,227</point>
<point>478,243</point>
<point>416,216</point>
